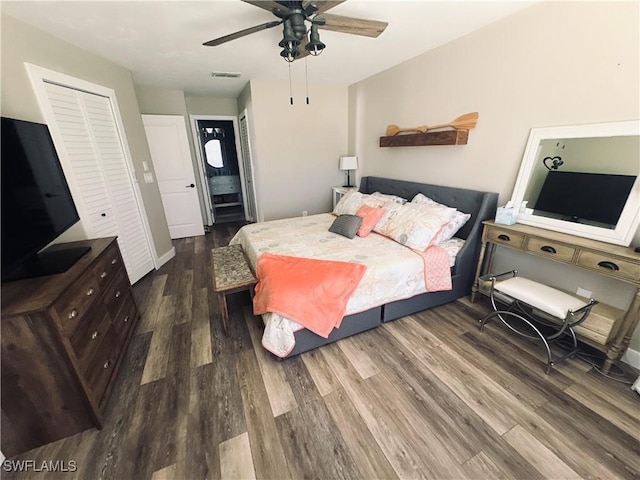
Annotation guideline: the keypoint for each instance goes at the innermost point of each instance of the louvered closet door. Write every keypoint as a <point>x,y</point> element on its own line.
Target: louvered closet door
<point>94,157</point>
<point>250,201</point>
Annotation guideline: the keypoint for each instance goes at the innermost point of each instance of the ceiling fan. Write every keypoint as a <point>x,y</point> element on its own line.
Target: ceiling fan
<point>299,40</point>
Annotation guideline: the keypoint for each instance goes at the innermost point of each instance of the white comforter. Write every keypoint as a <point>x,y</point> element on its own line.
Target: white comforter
<point>394,272</point>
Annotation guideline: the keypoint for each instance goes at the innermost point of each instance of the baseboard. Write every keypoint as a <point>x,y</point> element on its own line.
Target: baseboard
<point>632,357</point>
<point>165,258</point>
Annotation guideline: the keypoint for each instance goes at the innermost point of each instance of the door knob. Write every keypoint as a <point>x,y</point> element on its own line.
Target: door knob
<point>190,186</point>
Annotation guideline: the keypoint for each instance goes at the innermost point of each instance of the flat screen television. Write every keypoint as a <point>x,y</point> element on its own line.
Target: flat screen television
<point>37,206</point>
<point>591,198</point>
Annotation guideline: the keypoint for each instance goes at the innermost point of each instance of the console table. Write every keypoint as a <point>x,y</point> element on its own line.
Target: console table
<point>614,329</point>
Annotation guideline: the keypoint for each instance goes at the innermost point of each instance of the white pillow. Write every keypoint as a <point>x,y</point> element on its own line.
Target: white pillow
<point>458,219</point>
<point>389,198</point>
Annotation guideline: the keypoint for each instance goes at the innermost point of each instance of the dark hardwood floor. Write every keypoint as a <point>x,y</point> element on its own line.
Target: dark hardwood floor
<point>425,396</point>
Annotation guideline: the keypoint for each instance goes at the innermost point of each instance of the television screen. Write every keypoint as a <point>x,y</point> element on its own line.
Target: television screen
<point>36,202</point>
<point>591,198</point>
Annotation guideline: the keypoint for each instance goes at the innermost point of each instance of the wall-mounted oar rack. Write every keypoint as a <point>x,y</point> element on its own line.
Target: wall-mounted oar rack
<point>448,137</point>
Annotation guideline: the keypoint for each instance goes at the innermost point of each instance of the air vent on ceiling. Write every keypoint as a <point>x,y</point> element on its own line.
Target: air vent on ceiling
<point>225,74</point>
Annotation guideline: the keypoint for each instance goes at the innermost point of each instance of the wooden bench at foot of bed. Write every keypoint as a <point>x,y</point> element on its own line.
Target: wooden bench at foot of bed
<point>231,274</point>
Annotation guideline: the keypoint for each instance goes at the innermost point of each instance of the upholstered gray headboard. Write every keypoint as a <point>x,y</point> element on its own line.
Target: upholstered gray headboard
<point>481,205</point>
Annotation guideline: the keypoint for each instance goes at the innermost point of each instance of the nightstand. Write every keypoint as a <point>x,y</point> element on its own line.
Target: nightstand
<point>338,192</point>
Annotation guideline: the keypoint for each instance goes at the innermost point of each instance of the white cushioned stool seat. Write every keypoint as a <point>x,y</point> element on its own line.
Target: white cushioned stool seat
<point>545,298</point>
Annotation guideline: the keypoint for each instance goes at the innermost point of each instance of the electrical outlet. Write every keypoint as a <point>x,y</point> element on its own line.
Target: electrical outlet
<point>304,213</point>
<point>583,292</point>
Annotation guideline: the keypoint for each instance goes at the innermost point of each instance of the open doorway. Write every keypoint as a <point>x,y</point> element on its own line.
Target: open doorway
<point>221,167</point>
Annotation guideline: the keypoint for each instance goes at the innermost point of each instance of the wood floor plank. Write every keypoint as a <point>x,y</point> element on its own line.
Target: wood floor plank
<point>184,298</point>
<point>320,372</point>
<point>268,456</point>
<point>362,445</point>
<point>373,410</point>
<point>360,360</point>
<point>156,366</point>
<point>492,403</point>
<point>200,330</point>
<point>235,458</point>
<point>623,419</point>
<point>481,466</point>
<point>312,443</point>
<point>540,457</point>
<point>457,426</point>
<point>281,397</point>
<point>150,308</point>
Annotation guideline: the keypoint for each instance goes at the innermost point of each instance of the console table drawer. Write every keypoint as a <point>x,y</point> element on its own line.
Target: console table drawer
<point>617,267</point>
<point>505,237</point>
<point>556,251</point>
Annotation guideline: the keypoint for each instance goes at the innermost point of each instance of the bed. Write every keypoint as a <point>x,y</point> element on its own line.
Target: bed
<point>393,289</point>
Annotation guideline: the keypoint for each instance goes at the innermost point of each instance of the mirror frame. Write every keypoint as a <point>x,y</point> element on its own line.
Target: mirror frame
<point>630,216</point>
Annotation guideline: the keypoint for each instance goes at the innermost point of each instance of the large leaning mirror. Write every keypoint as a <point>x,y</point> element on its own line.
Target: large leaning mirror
<point>582,180</point>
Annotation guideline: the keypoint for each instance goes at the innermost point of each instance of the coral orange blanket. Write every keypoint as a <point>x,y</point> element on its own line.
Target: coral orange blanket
<point>313,293</point>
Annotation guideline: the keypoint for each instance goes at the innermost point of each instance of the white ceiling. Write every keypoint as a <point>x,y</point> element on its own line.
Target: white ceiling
<point>161,41</point>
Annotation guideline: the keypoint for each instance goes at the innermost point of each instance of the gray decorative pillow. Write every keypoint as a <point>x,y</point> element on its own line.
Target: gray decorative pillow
<point>346,225</point>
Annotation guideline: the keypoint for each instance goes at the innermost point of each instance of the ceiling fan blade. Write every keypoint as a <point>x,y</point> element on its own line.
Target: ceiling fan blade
<point>354,26</point>
<point>322,5</point>
<point>241,33</point>
<point>270,5</point>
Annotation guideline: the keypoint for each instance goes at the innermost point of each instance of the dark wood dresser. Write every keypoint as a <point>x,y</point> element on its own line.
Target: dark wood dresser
<point>63,339</point>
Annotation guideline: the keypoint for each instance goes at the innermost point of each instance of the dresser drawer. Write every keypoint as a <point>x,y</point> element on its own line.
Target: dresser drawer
<point>615,266</point>
<point>74,305</point>
<point>546,248</point>
<point>88,336</point>
<point>124,319</point>
<point>116,293</point>
<point>102,364</point>
<point>108,265</point>
<point>505,237</point>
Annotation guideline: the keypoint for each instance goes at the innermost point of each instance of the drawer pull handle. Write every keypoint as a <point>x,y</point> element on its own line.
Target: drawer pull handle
<point>73,313</point>
<point>114,261</point>
<point>103,274</point>
<point>504,237</point>
<point>126,319</point>
<point>90,292</point>
<point>548,249</point>
<point>94,335</point>
<point>608,265</point>
<point>118,294</point>
<point>106,364</point>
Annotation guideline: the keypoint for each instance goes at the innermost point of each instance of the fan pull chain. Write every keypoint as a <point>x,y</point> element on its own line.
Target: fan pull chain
<point>290,89</point>
<point>306,78</point>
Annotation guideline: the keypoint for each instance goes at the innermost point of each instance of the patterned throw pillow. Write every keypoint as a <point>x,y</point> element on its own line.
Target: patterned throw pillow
<point>370,216</point>
<point>346,225</point>
<point>389,198</point>
<point>349,203</point>
<point>414,226</point>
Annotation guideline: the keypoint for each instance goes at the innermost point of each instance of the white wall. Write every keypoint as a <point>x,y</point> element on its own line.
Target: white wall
<point>555,63</point>
<point>296,147</point>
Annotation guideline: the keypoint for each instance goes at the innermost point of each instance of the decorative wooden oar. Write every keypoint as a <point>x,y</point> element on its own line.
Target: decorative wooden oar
<point>463,122</point>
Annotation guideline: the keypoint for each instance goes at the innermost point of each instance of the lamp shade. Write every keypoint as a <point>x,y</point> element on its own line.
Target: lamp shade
<point>348,163</point>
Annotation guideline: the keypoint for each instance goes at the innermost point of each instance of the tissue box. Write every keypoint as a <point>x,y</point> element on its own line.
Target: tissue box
<point>506,216</point>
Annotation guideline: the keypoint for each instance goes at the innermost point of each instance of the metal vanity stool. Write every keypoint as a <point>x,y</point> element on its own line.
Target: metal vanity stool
<point>536,305</point>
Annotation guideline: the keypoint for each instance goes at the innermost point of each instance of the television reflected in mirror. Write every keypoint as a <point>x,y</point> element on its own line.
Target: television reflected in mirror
<point>582,180</point>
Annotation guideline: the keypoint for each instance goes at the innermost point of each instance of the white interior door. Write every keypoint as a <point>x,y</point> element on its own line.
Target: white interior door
<point>169,146</point>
